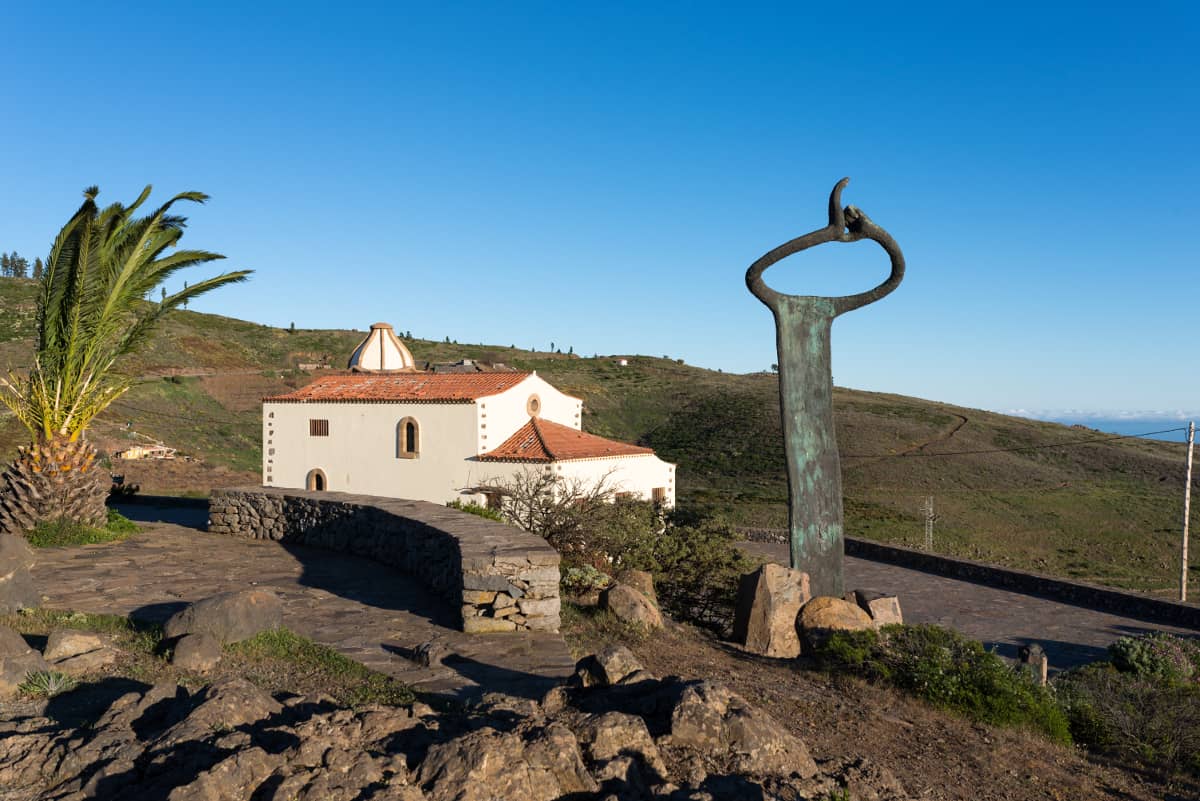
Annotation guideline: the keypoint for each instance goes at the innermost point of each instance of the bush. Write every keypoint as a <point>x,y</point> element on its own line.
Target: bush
<point>46,684</point>
<point>1138,718</point>
<point>63,532</point>
<point>696,570</point>
<point>1159,656</point>
<point>580,580</point>
<point>477,510</point>
<point>949,671</point>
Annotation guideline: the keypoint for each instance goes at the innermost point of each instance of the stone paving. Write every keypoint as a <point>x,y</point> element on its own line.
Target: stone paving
<point>1002,619</point>
<point>365,610</point>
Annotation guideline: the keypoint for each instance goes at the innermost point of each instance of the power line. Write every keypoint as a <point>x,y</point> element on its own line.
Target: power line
<point>922,454</point>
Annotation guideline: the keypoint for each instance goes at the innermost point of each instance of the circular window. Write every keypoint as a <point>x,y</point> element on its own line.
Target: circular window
<point>533,406</point>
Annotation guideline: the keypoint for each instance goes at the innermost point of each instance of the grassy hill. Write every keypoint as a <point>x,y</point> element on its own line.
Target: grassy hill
<point>1107,512</point>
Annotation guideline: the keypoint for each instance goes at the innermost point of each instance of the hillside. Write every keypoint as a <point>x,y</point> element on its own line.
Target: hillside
<point>1107,512</point>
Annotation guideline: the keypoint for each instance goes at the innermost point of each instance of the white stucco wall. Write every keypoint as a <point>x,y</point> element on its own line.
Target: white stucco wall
<point>501,415</point>
<point>360,453</point>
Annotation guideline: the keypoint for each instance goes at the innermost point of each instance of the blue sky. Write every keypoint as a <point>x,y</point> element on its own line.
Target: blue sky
<point>601,176</point>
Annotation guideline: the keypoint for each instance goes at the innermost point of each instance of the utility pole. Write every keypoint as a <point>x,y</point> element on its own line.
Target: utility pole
<point>929,518</point>
<point>1187,512</point>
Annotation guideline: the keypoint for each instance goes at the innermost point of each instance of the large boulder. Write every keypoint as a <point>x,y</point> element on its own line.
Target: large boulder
<point>17,660</point>
<point>631,606</point>
<point>486,765</point>
<point>713,719</point>
<point>228,617</point>
<point>16,584</point>
<point>640,580</point>
<point>614,734</point>
<point>825,614</point>
<point>768,601</point>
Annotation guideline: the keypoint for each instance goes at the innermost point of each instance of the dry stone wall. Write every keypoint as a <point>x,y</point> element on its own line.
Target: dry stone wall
<point>501,578</point>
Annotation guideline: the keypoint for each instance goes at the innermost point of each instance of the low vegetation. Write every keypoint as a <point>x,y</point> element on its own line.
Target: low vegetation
<point>695,562</point>
<point>1142,707</point>
<point>949,671</point>
<point>280,660</point>
<point>46,684</point>
<point>63,532</point>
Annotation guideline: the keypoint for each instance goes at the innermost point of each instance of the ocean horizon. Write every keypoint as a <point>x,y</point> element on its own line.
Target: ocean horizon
<point>1130,426</point>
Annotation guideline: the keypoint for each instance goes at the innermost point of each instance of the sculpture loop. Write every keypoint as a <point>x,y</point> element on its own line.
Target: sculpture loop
<point>802,324</point>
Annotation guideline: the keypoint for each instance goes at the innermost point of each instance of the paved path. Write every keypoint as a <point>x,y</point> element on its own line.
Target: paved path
<point>365,610</point>
<point>1071,635</point>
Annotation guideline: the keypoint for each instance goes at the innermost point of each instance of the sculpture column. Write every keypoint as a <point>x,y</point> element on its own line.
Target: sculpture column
<point>802,325</point>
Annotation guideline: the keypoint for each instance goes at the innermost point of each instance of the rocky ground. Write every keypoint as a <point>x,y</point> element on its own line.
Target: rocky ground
<point>932,754</point>
<point>616,731</point>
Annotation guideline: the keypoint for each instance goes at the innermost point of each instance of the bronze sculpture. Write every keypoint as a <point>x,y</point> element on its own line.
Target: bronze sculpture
<point>802,324</point>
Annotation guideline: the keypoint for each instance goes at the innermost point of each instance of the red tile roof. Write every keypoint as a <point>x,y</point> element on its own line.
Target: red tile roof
<point>544,441</point>
<point>412,387</point>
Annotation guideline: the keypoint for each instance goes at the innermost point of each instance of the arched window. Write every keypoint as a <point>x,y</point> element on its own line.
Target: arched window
<point>408,439</point>
<point>315,481</point>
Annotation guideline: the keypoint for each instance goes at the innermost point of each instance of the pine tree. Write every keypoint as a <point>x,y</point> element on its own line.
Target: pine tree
<point>20,266</point>
<point>5,269</point>
<point>38,269</point>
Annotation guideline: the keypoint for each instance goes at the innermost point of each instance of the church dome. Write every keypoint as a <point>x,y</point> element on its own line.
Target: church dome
<point>381,352</point>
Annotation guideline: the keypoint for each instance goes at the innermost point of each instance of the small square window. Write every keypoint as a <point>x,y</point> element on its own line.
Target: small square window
<point>318,428</point>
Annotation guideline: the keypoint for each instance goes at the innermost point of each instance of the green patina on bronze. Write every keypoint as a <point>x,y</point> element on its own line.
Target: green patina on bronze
<point>802,325</point>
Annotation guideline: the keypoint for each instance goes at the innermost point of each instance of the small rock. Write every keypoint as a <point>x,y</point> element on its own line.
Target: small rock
<point>607,666</point>
<point>65,643</point>
<point>883,609</point>
<point>1033,660</point>
<point>198,652</point>
<point>631,606</point>
<point>555,700</point>
<point>229,617</point>
<point>431,654</point>
<point>17,660</point>
<point>768,601</point>
<point>641,581</point>
<point>825,614</point>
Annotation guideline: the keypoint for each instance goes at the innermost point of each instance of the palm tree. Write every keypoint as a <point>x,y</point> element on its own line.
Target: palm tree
<point>91,312</point>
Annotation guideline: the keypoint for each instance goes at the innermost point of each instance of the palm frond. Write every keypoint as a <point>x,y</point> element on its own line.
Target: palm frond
<point>91,310</point>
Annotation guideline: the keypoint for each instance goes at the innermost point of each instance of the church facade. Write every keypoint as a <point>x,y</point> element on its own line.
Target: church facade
<point>387,429</point>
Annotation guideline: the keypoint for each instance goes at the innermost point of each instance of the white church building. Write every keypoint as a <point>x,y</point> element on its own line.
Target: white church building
<point>389,430</point>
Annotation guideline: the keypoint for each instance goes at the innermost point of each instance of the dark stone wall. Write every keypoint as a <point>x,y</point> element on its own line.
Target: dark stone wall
<point>502,578</point>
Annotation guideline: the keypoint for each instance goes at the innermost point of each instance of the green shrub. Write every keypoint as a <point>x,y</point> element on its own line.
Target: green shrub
<point>1159,656</point>
<point>477,510</point>
<point>582,579</point>
<point>1139,718</point>
<point>46,684</point>
<point>696,571</point>
<point>63,532</point>
<point>949,671</point>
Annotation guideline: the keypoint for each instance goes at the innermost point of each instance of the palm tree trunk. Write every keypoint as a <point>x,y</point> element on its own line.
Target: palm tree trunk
<point>50,480</point>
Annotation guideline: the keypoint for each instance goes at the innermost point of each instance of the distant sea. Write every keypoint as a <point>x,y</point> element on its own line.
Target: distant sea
<point>1129,426</point>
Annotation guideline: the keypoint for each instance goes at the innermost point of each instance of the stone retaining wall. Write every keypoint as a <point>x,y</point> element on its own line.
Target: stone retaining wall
<point>502,578</point>
<point>1090,596</point>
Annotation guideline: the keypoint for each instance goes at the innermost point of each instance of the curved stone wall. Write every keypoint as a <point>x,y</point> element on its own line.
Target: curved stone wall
<point>502,578</point>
